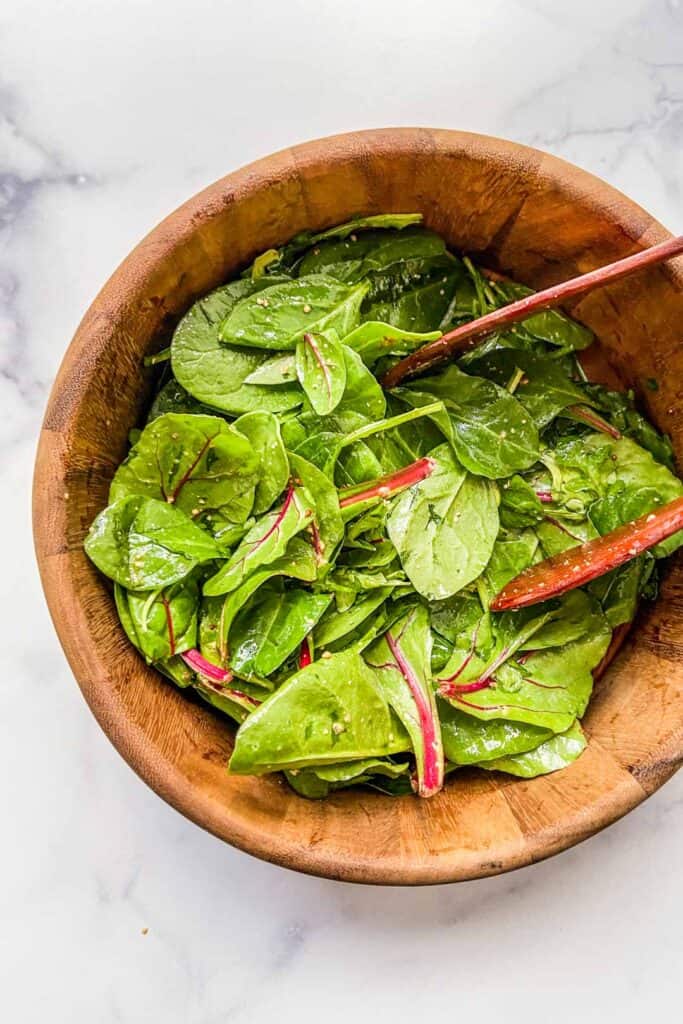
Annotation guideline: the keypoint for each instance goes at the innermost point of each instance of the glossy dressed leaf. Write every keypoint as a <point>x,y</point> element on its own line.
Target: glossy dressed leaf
<point>545,388</point>
<point>373,339</point>
<point>622,413</point>
<point>335,625</point>
<point>316,783</point>
<point>218,613</point>
<point>321,370</point>
<point>468,740</point>
<point>173,397</point>
<point>216,374</point>
<point>549,325</point>
<point>375,221</point>
<point>272,626</point>
<point>278,317</point>
<point>444,528</point>
<point>262,429</point>
<point>327,527</point>
<point>520,505</point>
<point>280,369</point>
<point>492,435</point>
<point>163,623</point>
<point>549,690</point>
<point>354,258</point>
<point>550,756</point>
<point>334,710</point>
<point>402,659</point>
<point>512,552</point>
<point>145,544</point>
<point>199,464</point>
<point>415,295</point>
<point>265,542</point>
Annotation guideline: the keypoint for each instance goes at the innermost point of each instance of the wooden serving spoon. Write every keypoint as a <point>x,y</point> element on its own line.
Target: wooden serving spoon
<point>469,335</point>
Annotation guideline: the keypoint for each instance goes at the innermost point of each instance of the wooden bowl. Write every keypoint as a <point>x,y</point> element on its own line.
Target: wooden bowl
<point>516,209</point>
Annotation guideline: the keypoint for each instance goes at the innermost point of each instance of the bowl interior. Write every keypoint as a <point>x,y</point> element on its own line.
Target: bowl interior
<point>517,210</point>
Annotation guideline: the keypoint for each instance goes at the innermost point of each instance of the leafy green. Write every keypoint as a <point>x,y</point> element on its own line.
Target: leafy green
<point>278,317</point>
<point>145,544</point>
<point>265,542</point>
<point>321,369</point>
<point>333,710</point>
<point>316,783</point>
<point>491,434</point>
<point>198,464</point>
<point>444,528</point>
<point>263,431</point>
<point>216,374</point>
<point>272,626</point>
<point>162,623</point>
<point>468,740</point>
<point>402,659</point>
<point>373,340</point>
<point>551,755</point>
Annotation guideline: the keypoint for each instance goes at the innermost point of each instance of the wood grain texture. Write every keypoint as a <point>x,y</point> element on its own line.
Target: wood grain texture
<point>517,210</point>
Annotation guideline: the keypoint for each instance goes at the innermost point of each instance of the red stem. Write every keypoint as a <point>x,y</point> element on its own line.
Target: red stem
<point>545,497</point>
<point>186,476</point>
<point>389,485</point>
<point>310,341</point>
<point>305,653</point>
<point>433,767</point>
<point>587,561</point>
<point>593,419</point>
<point>199,664</point>
<point>469,335</point>
<point>169,624</point>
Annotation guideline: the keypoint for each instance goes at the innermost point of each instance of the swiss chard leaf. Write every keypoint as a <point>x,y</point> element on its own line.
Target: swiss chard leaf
<point>402,659</point>
<point>163,623</point>
<point>321,369</point>
<point>316,783</point>
<point>327,528</point>
<point>545,388</point>
<point>265,542</point>
<point>444,528</point>
<point>199,464</point>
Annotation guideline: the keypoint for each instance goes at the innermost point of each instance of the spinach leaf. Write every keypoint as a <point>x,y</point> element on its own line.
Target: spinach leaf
<point>199,464</point>
<point>619,591</point>
<point>216,374</point>
<point>468,740</point>
<point>491,434</point>
<point>414,296</point>
<point>623,414</point>
<point>278,317</point>
<point>316,783</point>
<point>551,755</point>
<point>163,623</point>
<point>280,369</point>
<point>265,542</point>
<point>512,552</point>
<point>550,325</point>
<point>335,625</point>
<point>333,710</point>
<point>272,626</point>
<point>321,369</point>
<point>402,659</point>
<point>263,432</point>
<point>520,505</point>
<point>545,388</point>
<point>373,339</point>
<point>444,528</point>
<point>374,220</point>
<point>173,397</point>
<point>145,544</point>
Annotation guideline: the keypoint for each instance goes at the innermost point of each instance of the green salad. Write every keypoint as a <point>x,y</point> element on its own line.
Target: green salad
<point>316,557</point>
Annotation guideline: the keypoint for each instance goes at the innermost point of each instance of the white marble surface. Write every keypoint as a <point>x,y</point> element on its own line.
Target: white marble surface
<point>110,115</point>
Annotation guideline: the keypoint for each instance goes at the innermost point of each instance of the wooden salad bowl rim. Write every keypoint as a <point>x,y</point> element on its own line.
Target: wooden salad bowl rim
<point>521,211</point>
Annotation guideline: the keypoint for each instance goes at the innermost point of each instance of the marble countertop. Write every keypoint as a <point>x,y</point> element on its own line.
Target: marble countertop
<point>113,907</point>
